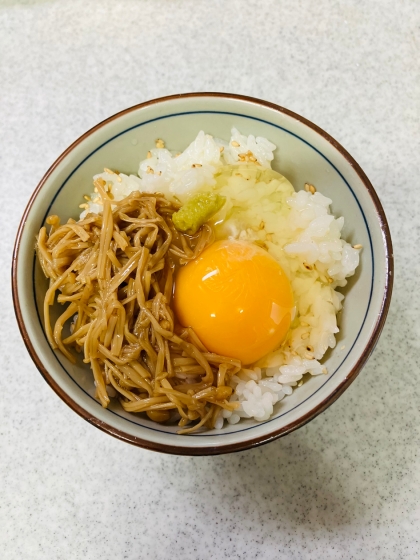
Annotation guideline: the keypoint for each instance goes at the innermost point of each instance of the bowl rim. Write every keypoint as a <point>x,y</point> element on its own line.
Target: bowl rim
<point>253,442</point>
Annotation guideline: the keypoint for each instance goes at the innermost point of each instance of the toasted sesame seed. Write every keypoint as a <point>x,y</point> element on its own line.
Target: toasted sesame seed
<point>149,170</point>
<point>330,280</point>
<point>308,356</point>
<point>197,165</point>
<point>243,155</point>
<point>109,171</point>
<point>160,143</point>
<point>252,158</point>
<point>307,266</point>
<point>307,187</point>
<point>149,154</point>
<point>87,197</point>
<point>358,246</point>
<point>312,189</point>
<point>300,383</point>
<point>235,144</point>
<point>324,371</point>
<point>305,336</point>
<point>84,206</point>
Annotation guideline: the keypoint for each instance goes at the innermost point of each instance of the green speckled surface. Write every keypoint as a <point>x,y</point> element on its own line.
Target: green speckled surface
<point>346,486</point>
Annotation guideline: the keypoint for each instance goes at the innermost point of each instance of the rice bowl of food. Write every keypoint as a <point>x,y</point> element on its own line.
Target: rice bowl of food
<point>209,272</point>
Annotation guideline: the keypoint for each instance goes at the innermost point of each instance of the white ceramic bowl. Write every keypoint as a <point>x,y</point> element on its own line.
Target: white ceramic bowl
<point>305,154</point>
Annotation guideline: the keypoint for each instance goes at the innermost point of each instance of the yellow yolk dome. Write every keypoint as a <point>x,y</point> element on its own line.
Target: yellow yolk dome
<point>237,299</point>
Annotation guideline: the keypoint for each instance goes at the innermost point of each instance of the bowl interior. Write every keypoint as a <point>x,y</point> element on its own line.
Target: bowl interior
<point>303,155</point>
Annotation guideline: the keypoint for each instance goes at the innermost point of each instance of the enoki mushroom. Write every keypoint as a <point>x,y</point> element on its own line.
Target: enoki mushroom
<point>114,273</point>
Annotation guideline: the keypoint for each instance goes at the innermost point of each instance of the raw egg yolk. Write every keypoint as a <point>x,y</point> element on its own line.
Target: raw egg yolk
<point>237,299</point>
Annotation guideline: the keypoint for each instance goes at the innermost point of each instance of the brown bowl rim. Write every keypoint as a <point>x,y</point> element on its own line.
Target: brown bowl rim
<point>254,442</point>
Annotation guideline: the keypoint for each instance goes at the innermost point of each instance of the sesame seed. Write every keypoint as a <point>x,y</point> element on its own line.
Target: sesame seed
<point>149,154</point>
<point>324,371</point>
<point>149,170</point>
<point>305,335</point>
<point>95,189</point>
<point>109,171</point>
<point>307,187</point>
<point>252,158</point>
<point>84,206</point>
<point>160,143</point>
<point>235,144</point>
<point>330,280</point>
<point>86,197</point>
<point>308,356</point>
<point>300,383</point>
<point>312,189</point>
<point>307,266</point>
<point>197,165</point>
<point>243,155</point>
<point>309,348</point>
<point>358,246</point>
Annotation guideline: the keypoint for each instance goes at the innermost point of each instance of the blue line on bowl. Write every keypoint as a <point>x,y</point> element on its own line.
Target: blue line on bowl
<point>234,115</point>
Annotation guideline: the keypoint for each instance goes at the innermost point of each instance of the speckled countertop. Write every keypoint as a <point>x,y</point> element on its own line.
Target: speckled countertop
<point>348,484</point>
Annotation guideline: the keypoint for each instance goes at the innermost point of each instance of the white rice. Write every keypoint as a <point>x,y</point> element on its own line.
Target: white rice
<point>297,228</point>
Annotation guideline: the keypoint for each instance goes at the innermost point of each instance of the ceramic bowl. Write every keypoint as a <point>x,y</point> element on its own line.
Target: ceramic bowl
<point>305,154</point>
